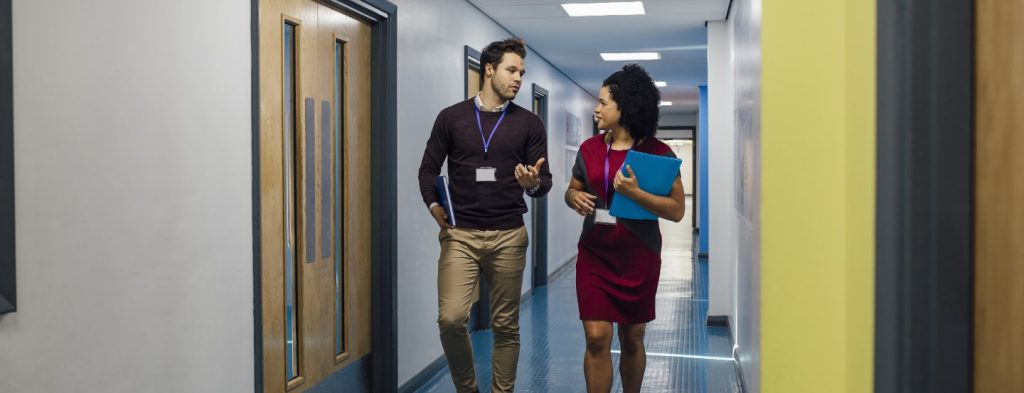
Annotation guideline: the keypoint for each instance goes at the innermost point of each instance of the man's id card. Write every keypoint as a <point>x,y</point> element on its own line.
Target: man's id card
<point>486,173</point>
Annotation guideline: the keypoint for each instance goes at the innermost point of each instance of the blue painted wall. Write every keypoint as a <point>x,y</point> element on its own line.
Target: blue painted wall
<point>702,172</point>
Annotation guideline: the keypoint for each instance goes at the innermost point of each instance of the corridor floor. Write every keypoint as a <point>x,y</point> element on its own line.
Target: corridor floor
<point>684,355</point>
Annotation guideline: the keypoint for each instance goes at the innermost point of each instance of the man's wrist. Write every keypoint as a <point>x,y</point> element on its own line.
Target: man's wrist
<point>432,204</point>
<point>533,190</point>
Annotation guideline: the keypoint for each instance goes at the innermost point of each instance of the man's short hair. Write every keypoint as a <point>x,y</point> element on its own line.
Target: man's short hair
<point>494,51</point>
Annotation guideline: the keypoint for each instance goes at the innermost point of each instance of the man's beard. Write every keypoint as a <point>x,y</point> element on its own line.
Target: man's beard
<point>502,92</point>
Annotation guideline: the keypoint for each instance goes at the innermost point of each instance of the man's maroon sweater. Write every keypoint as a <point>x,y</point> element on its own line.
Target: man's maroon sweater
<point>519,139</point>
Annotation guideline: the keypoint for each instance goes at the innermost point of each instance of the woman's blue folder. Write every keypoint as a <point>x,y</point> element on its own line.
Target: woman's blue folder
<point>655,174</point>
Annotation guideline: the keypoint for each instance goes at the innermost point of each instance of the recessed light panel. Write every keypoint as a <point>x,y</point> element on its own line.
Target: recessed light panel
<point>630,56</point>
<point>604,9</point>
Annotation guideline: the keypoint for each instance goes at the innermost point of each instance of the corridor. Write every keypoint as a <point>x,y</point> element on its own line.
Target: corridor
<point>684,355</point>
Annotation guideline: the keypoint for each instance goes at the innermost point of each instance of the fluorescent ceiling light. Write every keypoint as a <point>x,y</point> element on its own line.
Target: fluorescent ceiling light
<point>604,9</point>
<point>631,56</point>
<point>660,83</point>
<point>665,103</point>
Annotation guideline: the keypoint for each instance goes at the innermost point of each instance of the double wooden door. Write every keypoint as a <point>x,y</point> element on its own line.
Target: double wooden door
<point>314,192</point>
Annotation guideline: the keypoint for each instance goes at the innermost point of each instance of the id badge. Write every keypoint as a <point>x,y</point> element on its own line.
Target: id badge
<point>601,216</point>
<point>485,173</point>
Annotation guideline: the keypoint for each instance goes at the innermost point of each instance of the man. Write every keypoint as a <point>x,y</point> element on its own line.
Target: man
<point>496,152</point>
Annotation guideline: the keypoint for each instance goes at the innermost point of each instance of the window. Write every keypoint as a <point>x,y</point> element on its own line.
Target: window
<point>339,200</point>
<point>290,275</point>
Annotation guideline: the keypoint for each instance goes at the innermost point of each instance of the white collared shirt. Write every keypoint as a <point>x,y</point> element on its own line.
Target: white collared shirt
<point>480,104</point>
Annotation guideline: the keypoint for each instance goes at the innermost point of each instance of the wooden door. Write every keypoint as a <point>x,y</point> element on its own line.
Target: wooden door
<point>314,192</point>
<point>472,81</point>
<point>999,197</point>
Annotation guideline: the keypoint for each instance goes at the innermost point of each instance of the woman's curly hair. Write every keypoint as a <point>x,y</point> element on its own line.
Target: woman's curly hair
<point>638,98</point>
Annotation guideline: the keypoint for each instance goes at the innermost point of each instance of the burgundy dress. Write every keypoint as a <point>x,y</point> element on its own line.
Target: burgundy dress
<point>618,266</point>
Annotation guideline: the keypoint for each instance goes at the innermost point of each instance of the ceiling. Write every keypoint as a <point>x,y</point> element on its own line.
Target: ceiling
<point>674,28</point>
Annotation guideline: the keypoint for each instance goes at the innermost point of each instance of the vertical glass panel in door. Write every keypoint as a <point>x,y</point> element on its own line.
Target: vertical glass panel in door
<point>339,199</point>
<point>290,279</point>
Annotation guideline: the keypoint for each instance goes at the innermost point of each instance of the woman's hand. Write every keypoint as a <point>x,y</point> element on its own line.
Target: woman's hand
<point>626,185</point>
<point>582,202</point>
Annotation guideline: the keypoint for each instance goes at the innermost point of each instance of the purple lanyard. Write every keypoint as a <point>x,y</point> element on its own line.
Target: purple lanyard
<point>487,142</point>
<point>607,189</point>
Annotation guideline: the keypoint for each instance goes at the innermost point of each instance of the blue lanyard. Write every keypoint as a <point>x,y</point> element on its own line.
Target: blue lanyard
<point>487,142</point>
<point>607,191</point>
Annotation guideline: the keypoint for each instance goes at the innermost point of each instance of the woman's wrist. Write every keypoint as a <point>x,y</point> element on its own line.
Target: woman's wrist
<point>569,193</point>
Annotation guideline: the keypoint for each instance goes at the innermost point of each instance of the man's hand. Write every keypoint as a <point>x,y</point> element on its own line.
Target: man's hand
<point>626,185</point>
<point>529,176</point>
<point>440,216</point>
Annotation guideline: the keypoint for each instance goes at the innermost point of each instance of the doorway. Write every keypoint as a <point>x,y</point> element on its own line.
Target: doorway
<point>539,206</point>
<point>479,315</point>
<point>323,254</point>
<point>924,206</point>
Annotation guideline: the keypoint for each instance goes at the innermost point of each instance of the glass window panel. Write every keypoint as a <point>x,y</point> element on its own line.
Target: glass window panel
<point>339,200</point>
<point>291,284</point>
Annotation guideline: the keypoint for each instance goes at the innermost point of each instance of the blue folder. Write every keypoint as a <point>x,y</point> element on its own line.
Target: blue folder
<point>444,197</point>
<point>655,174</point>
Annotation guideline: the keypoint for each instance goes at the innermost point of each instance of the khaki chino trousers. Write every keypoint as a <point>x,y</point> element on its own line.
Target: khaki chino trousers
<point>500,257</point>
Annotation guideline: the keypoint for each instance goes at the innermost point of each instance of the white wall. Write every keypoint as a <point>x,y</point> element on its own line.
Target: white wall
<point>134,231</point>
<point>747,81</point>
<point>721,174</point>
<point>431,36</point>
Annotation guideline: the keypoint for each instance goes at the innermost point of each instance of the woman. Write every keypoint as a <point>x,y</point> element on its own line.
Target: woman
<point>619,260</point>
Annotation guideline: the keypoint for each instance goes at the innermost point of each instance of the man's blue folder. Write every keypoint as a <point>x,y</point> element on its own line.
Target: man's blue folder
<point>444,197</point>
<point>655,175</point>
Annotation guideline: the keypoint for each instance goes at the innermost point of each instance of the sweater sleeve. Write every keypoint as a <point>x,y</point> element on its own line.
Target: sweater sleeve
<point>433,158</point>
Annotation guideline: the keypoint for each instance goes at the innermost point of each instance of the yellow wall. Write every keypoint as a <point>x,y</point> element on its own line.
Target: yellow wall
<point>817,211</point>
